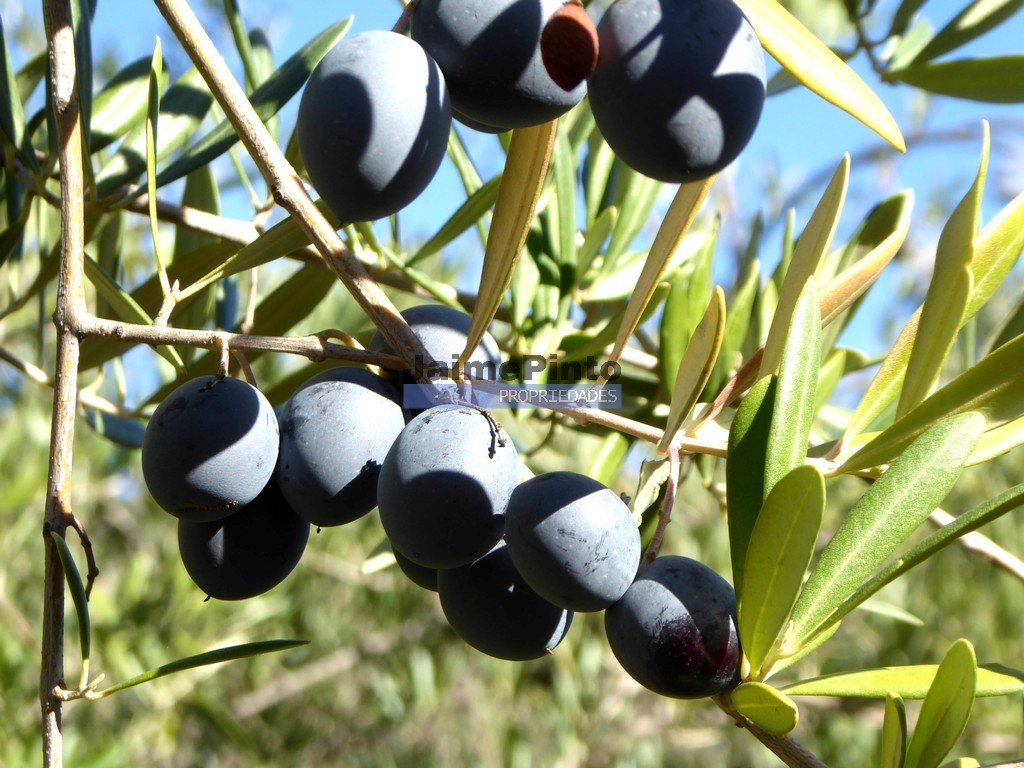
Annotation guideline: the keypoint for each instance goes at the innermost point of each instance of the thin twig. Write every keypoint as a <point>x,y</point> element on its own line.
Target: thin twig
<point>665,512</point>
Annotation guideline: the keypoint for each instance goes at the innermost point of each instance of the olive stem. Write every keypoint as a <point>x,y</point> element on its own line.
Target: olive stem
<point>665,512</point>
<point>786,748</point>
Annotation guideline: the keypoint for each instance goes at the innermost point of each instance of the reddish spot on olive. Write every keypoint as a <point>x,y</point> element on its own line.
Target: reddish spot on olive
<point>568,46</point>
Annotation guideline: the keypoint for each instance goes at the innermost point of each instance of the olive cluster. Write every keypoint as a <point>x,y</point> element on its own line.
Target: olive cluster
<point>512,560</point>
<point>676,89</point>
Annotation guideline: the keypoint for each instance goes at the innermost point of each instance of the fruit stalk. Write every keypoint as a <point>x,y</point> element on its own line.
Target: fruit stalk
<point>285,185</point>
<point>70,307</point>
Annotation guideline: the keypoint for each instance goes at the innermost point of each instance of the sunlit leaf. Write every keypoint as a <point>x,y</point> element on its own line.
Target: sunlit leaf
<point>973,21</point>
<point>766,707</point>
<point>888,512</point>
<point>812,63</point>
<point>744,469</point>
<point>894,733</point>
<point>796,384</point>
<point>678,218</point>
<point>994,388</point>
<point>609,457</point>
<point>653,476</point>
<point>695,366</point>
<point>946,708</point>
<point>911,683</point>
<point>468,214</point>
<point>948,293</point>
<point>996,250</point>
<point>780,548</point>
<point>520,188</point>
<point>810,249</point>
<point>118,429</point>
<point>994,79</point>
<point>121,103</point>
<point>267,100</point>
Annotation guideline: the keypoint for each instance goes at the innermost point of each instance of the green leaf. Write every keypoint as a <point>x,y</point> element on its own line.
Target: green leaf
<point>126,308</point>
<point>606,463</point>
<point>910,43</point>
<point>117,429</point>
<point>182,108</point>
<point>78,597</point>
<point>869,252</point>
<point>894,733</point>
<point>653,476</point>
<point>231,653</point>
<point>690,290</point>
<point>12,113</point>
<point>996,250</point>
<point>680,215</point>
<point>946,708</point>
<point>744,469</point>
<point>267,100</point>
<point>998,441</point>
<point>993,387</point>
<point>981,515</point>
<point>469,213</point>
<point>766,707</point>
<point>811,62</point>
<point>889,512</point>
<point>695,366</point>
<point>737,325</point>
<point>793,412</point>
<point>904,15</point>
<point>948,293</point>
<point>911,683</point>
<point>521,184</point>
<point>973,21</point>
<point>780,548</point>
<point>152,117</point>
<point>200,193</point>
<point>993,79</point>
<point>121,103</point>
<point>634,200</point>
<point>810,249</point>
<point>81,21</point>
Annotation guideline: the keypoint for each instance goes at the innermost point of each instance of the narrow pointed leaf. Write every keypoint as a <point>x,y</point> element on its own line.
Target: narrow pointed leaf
<point>521,185</point>
<point>231,653</point>
<point>878,241</point>
<point>910,683</point>
<point>810,249</point>
<point>678,218</point>
<point>894,733</point>
<point>117,429</point>
<point>737,325</point>
<point>766,707</point>
<point>993,387</point>
<point>946,708</point>
<point>126,308</point>
<point>744,470</point>
<point>696,365</point>
<point>653,476</point>
<point>795,390</point>
<point>948,292</point>
<point>892,509</point>
<point>469,213</point>
<point>182,108</point>
<point>12,112</point>
<point>973,21</point>
<point>992,79</point>
<point>605,466</point>
<point>152,116</point>
<point>812,63</point>
<point>998,441</point>
<point>78,596</point>
<point>983,514</point>
<point>905,13</point>
<point>780,548</point>
<point>635,199</point>
<point>996,250</point>
<point>267,100</point>
<point>690,290</point>
<point>121,103</point>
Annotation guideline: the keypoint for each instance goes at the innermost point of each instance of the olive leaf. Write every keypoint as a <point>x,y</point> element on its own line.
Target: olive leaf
<point>894,733</point>
<point>910,683</point>
<point>766,707</point>
<point>946,708</point>
<point>812,63</point>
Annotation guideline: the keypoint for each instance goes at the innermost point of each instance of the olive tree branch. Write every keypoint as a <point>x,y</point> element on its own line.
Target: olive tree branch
<point>63,86</point>
<point>286,186</point>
